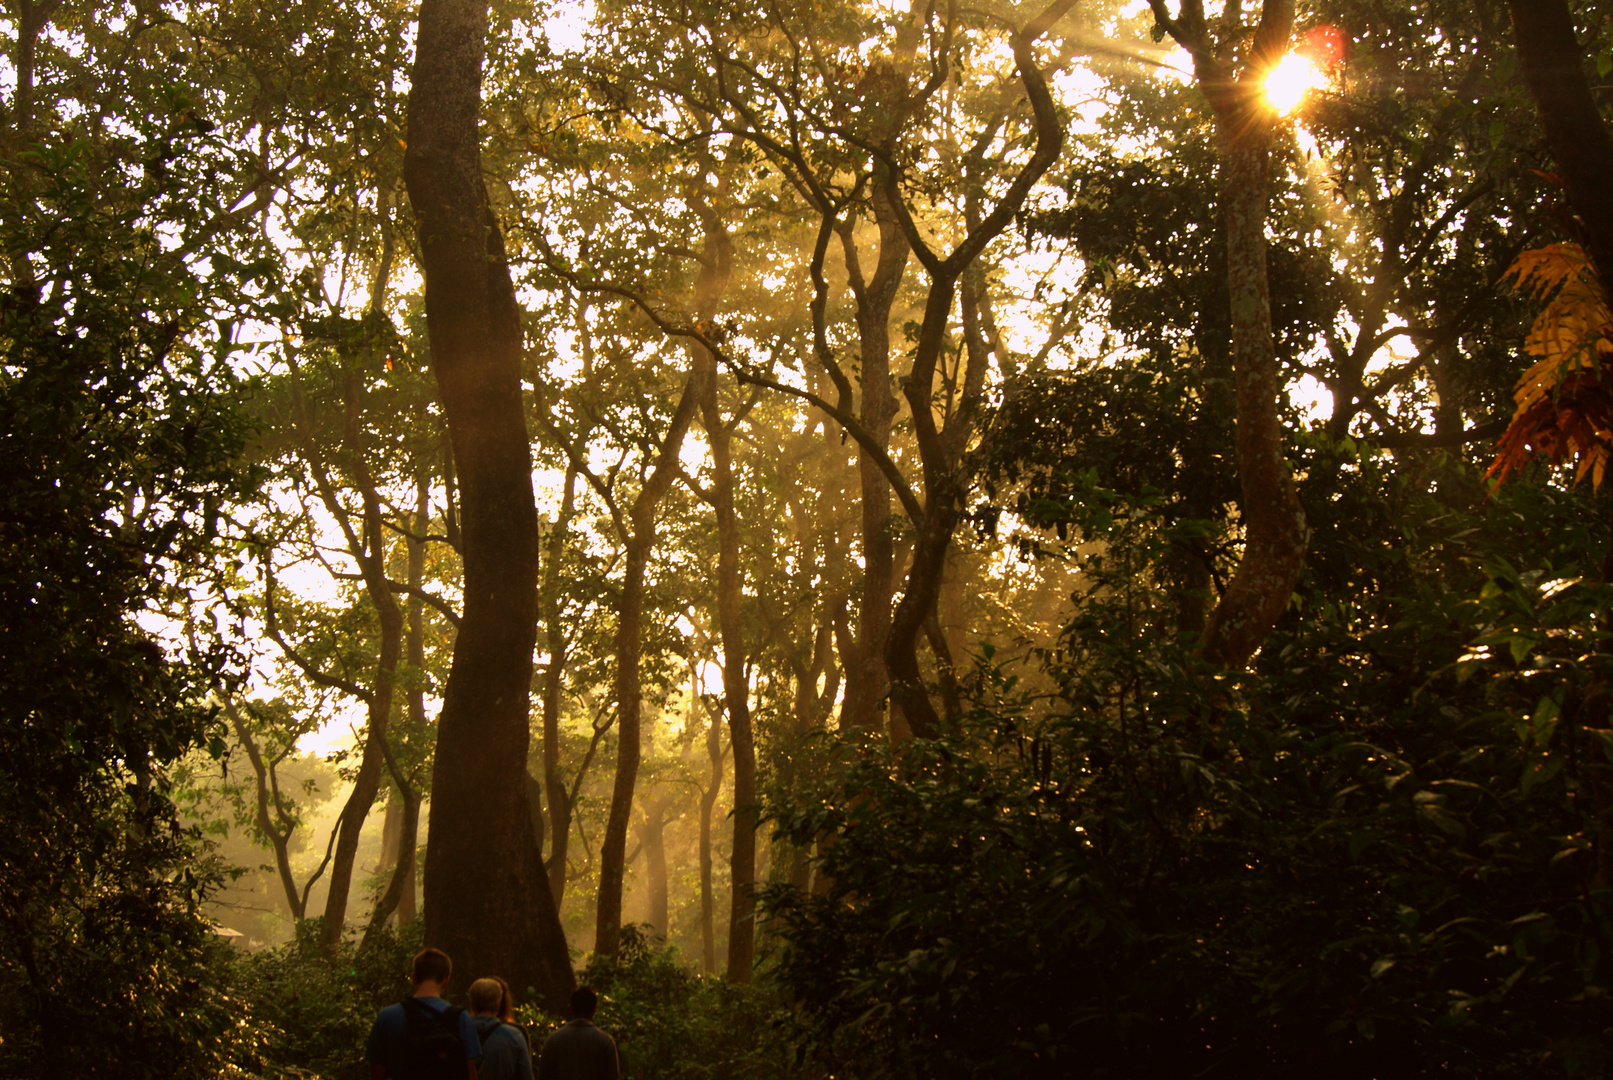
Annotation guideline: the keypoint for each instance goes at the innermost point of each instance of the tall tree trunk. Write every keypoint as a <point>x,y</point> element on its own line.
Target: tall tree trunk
<point>399,849</point>
<point>487,899</point>
<point>555,792</point>
<point>415,644</point>
<point>716,266</point>
<point>736,688</point>
<point>653,841</point>
<point>366,784</point>
<point>708,803</point>
<point>1553,66</point>
<point>1275,532</point>
<point>400,886</point>
<point>640,542</point>
<point>866,675</point>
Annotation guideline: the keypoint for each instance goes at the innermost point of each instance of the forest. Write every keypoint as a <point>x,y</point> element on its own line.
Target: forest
<point>893,538</point>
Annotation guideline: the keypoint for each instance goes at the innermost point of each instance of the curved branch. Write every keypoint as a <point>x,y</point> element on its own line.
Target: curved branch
<point>431,600</point>
<point>904,491</point>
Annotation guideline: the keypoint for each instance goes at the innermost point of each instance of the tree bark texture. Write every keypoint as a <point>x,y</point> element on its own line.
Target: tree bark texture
<point>487,899</point>
<point>640,542</point>
<point>1275,532</point>
<point>866,676</point>
<point>1553,66</point>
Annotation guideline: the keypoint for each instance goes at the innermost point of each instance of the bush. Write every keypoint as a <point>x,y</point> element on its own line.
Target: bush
<point>1376,855</point>
<point>311,1011</point>
<point>672,1024</point>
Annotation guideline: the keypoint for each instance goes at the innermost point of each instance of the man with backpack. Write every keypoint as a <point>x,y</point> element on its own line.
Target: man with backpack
<point>423,1037</point>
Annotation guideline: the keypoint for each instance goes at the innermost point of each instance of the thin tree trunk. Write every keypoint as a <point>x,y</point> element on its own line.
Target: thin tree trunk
<point>401,883</point>
<point>415,643</point>
<point>1275,533</point>
<point>487,898</point>
<point>736,690</point>
<point>708,803</point>
<point>629,680</point>
<point>401,836</point>
<point>654,844</point>
<point>558,798</point>
<point>368,548</point>
<point>278,834</point>
<point>391,833</point>
<point>807,709</point>
<point>715,268</point>
<point>369,551</point>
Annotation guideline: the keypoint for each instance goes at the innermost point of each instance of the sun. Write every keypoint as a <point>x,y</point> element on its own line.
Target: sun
<point>1288,82</point>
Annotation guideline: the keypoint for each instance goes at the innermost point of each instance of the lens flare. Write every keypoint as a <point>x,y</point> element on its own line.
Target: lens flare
<point>1326,44</point>
<point>1288,83</point>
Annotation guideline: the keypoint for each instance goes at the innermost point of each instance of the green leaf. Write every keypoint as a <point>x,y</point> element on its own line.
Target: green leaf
<point>1538,773</point>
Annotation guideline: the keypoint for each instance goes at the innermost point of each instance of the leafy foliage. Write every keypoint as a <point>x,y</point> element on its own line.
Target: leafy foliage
<point>1369,858</point>
<point>671,1024</point>
<point>311,1009</point>
<point>118,436</point>
<point>1564,413</point>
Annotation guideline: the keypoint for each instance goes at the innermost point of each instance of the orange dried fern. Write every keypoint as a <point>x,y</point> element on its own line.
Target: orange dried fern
<point>1565,413</point>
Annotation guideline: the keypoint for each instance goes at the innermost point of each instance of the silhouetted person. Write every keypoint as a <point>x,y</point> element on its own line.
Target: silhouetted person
<point>504,1051</point>
<point>423,1037</point>
<point>579,1050</point>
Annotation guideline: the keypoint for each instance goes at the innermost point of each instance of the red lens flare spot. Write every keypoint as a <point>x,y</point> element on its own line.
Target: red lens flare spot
<point>1325,45</point>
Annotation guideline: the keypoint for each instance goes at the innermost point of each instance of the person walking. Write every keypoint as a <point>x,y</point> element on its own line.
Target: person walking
<point>504,1051</point>
<point>423,1037</point>
<point>579,1050</point>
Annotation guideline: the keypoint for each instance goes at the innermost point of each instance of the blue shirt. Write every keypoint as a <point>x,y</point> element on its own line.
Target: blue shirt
<point>389,1036</point>
<point>504,1052</point>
